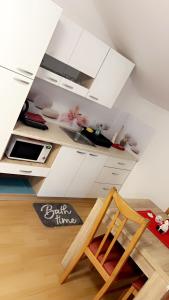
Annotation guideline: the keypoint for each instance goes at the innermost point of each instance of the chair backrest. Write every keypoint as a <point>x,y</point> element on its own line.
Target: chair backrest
<point>123,214</point>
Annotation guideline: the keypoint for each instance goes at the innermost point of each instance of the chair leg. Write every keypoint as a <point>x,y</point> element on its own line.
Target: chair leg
<point>70,267</point>
<point>103,290</point>
<point>128,293</point>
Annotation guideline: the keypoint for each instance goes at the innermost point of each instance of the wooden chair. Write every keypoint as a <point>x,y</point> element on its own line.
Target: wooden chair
<point>134,289</point>
<point>104,252</point>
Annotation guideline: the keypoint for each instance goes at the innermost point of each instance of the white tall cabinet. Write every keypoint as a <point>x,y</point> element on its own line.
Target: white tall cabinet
<point>26,28</point>
<point>13,90</point>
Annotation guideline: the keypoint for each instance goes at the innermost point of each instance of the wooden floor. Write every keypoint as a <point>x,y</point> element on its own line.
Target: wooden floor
<point>31,254</point>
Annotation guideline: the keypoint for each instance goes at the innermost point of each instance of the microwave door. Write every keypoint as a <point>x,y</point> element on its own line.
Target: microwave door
<point>26,151</point>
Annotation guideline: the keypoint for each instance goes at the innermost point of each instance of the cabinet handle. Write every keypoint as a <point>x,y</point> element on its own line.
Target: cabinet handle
<point>68,86</point>
<point>115,174</point>
<point>52,79</point>
<point>93,97</point>
<point>79,152</point>
<point>105,189</point>
<point>25,71</point>
<point>93,155</point>
<point>25,171</point>
<point>21,81</point>
<point>121,163</point>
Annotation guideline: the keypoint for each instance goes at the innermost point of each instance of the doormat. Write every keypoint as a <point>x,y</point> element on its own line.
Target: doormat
<point>54,214</point>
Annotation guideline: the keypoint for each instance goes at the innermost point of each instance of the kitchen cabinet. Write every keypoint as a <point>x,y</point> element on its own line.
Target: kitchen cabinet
<point>101,189</point>
<point>110,79</point>
<point>49,76</point>
<point>64,40</point>
<point>72,174</point>
<point>13,91</point>
<point>20,169</point>
<point>86,175</point>
<point>88,54</point>
<point>25,30</point>
<point>63,170</point>
<point>73,87</point>
<point>112,176</point>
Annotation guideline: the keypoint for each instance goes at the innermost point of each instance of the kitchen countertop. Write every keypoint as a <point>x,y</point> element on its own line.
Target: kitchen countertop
<point>56,135</point>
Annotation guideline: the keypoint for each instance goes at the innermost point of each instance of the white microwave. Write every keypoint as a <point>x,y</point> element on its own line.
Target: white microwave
<point>28,149</point>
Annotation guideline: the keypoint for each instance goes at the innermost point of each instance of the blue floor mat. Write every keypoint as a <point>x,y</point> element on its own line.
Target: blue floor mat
<point>15,186</point>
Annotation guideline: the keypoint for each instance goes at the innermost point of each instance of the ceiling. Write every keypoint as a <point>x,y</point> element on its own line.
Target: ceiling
<point>140,30</point>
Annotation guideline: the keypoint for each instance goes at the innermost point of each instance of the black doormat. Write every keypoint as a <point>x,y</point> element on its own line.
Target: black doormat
<point>52,214</point>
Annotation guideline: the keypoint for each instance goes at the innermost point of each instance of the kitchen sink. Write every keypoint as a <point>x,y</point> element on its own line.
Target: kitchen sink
<point>76,136</point>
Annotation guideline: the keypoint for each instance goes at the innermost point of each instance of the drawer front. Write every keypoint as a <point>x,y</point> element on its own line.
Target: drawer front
<point>101,189</point>
<point>48,76</point>
<point>125,164</point>
<point>73,87</point>
<point>21,169</point>
<point>112,176</point>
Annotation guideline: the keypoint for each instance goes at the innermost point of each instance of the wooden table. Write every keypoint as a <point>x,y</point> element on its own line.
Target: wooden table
<point>150,254</point>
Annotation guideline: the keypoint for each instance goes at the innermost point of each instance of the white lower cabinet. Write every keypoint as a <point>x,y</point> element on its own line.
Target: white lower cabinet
<point>112,175</point>
<point>101,189</point>
<point>81,174</point>
<point>63,170</point>
<point>21,169</point>
<point>86,175</point>
<point>72,174</point>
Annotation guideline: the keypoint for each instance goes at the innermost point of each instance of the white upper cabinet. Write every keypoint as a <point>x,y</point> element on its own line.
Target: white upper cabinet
<point>111,78</point>
<point>13,92</point>
<point>26,27</point>
<point>88,54</point>
<point>64,39</point>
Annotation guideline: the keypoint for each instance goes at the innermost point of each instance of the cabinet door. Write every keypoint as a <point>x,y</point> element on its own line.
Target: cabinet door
<point>86,175</point>
<point>101,189</point>
<point>64,39</point>
<point>111,78</point>
<point>89,54</point>
<point>73,87</point>
<point>26,27</point>
<point>112,176</point>
<point>63,171</point>
<point>13,92</point>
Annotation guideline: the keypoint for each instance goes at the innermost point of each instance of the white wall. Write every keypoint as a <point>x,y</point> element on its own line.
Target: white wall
<point>150,177</point>
<point>85,13</point>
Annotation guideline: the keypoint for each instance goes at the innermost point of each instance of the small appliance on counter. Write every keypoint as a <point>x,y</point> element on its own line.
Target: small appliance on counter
<point>27,149</point>
<point>31,119</point>
<point>96,137</point>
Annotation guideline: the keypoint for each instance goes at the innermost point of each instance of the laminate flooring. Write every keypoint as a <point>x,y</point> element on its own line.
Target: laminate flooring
<point>31,254</point>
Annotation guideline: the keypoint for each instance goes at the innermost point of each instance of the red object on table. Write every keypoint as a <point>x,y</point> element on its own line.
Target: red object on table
<point>163,237</point>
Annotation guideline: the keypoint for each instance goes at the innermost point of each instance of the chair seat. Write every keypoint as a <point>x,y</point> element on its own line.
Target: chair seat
<point>138,284</point>
<point>117,249</point>
<point>129,269</point>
